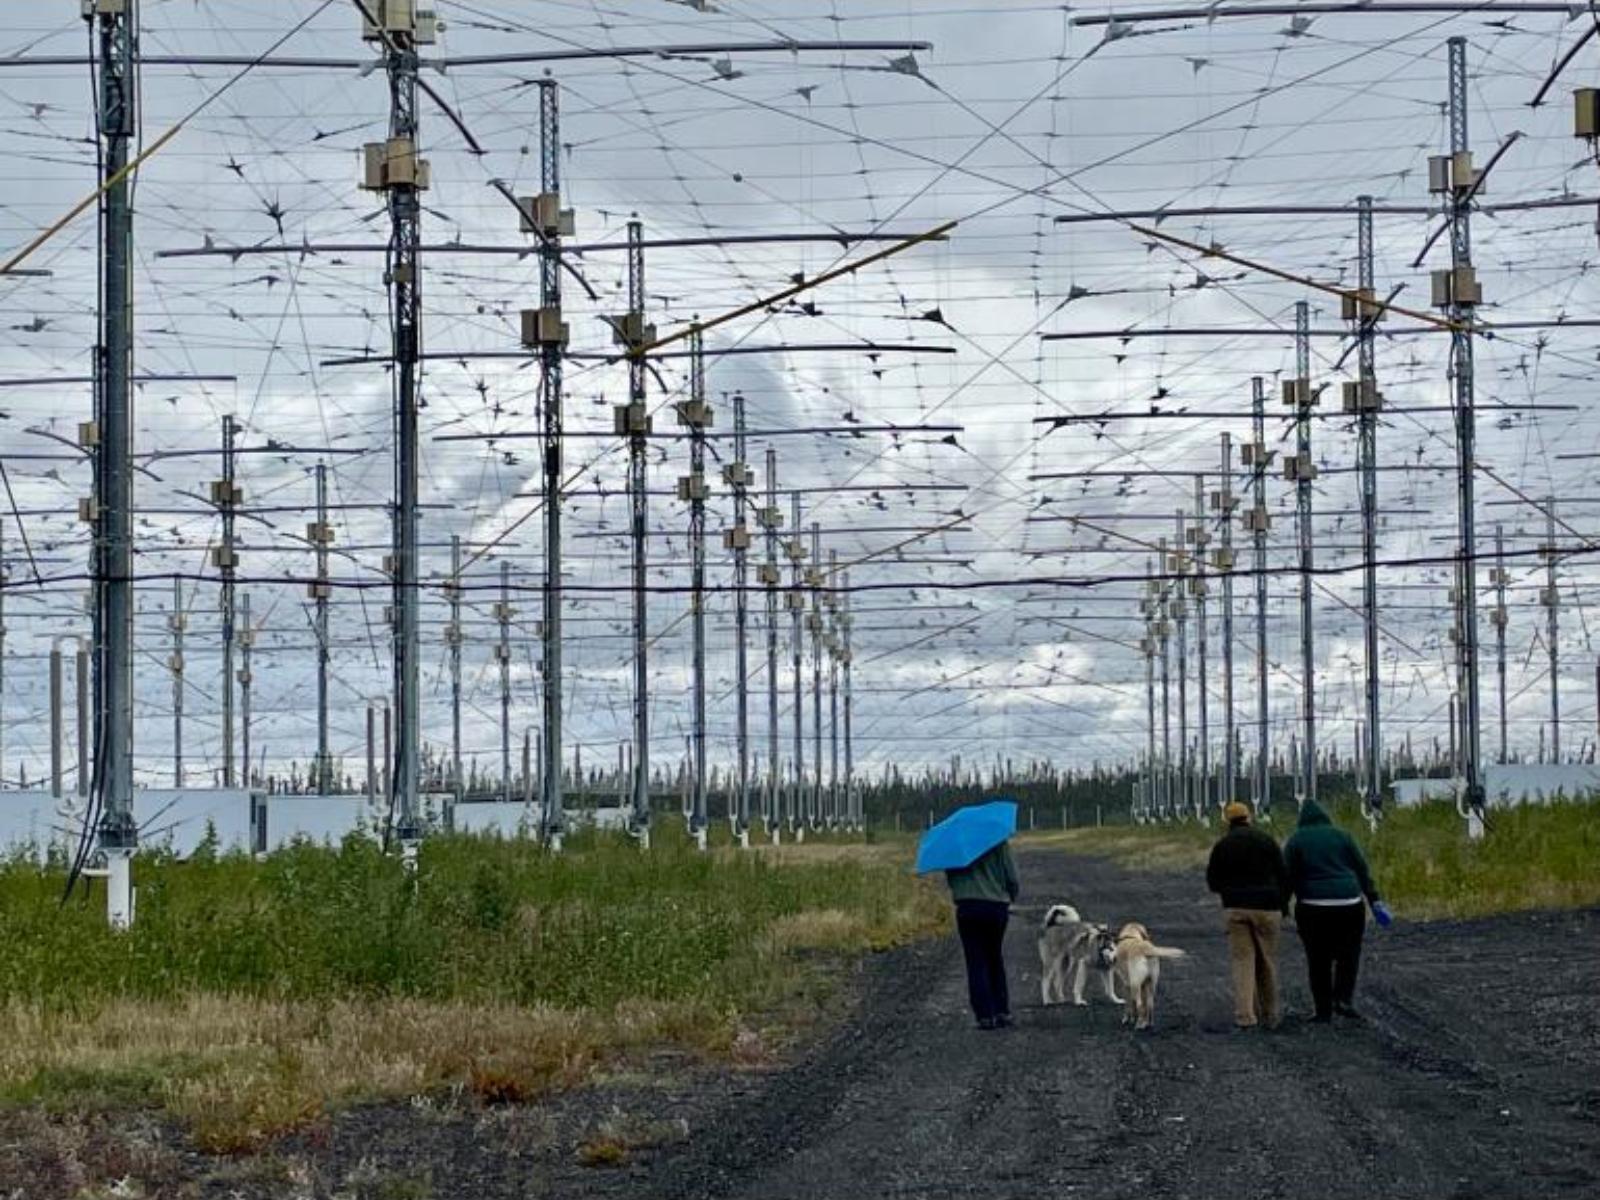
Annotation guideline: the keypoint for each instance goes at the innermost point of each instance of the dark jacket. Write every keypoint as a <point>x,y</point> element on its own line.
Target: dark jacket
<point>992,876</point>
<point>1247,871</point>
<point>1324,861</point>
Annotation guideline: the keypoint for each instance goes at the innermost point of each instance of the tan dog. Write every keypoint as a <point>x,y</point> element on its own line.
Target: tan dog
<point>1138,968</point>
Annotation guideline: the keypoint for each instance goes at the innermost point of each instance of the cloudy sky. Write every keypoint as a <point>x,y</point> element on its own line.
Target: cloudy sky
<point>988,622</point>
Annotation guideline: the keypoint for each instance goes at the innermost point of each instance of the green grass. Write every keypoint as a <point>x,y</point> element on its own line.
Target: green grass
<point>1533,857</point>
<point>251,995</point>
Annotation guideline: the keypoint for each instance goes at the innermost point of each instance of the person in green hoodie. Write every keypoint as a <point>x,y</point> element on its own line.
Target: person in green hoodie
<point>1331,884</point>
<point>983,892</point>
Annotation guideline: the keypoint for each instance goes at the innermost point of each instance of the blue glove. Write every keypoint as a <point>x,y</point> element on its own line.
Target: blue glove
<point>1381,913</point>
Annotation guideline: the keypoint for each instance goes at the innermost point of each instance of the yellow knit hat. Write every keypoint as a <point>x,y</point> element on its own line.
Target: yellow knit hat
<point>1236,813</point>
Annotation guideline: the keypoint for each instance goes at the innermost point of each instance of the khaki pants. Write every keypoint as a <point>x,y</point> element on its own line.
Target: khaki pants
<point>1253,958</point>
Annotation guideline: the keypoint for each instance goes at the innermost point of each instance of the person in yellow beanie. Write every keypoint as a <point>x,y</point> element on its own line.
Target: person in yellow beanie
<point>1247,870</point>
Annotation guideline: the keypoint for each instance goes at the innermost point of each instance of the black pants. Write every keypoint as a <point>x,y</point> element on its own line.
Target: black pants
<point>1332,935</point>
<point>982,926</point>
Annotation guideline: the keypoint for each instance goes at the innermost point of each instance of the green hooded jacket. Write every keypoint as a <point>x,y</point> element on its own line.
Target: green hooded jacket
<point>993,876</point>
<point>1324,861</point>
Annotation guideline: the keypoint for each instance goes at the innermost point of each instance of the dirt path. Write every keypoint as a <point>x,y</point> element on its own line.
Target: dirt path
<point>1475,1075</point>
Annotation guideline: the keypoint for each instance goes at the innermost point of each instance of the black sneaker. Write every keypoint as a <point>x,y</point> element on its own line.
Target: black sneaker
<point>1004,1021</point>
<point>1348,1010</point>
<point>1322,1019</point>
<point>987,1023</point>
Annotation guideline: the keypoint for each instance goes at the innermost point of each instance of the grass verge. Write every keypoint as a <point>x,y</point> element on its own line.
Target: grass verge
<point>252,996</point>
<point>1533,857</point>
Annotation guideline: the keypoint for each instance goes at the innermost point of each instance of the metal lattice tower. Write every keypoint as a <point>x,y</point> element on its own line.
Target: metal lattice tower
<point>395,169</point>
<point>452,637</point>
<point>1498,619</point>
<point>1461,294</point>
<point>797,604</point>
<point>852,801</point>
<point>247,639</point>
<point>1223,501</point>
<point>1163,631</point>
<point>113,459</point>
<point>1151,606</point>
<point>1259,522</point>
<point>737,538</point>
<point>636,334</point>
<point>1550,597</point>
<point>771,519</point>
<point>1197,585</point>
<point>814,622</point>
<point>1302,472</point>
<point>1367,401</point>
<point>503,613</point>
<point>175,622</point>
<point>831,641</point>
<point>551,352</point>
<point>1177,564</point>
<point>226,495</point>
<point>696,415</point>
<point>321,590</point>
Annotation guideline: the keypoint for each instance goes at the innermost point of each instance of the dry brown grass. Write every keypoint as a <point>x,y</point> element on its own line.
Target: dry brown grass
<point>239,1071</point>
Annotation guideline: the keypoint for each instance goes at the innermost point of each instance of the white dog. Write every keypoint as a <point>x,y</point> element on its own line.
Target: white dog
<point>1071,946</point>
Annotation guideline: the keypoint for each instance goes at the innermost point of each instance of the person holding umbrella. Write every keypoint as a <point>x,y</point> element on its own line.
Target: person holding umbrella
<point>972,847</point>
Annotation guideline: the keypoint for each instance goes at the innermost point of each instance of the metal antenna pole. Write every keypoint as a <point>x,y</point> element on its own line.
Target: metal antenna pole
<point>1223,502</point>
<point>226,495</point>
<point>1551,599</point>
<point>1498,619</point>
<point>394,168</point>
<point>1366,400</point>
<point>175,622</point>
<point>1258,458</point>
<point>851,800</point>
<point>452,637</point>
<point>321,592</point>
<point>696,414</point>
<point>831,639</point>
<point>1166,690</point>
<point>1458,291</point>
<point>634,421</point>
<point>1302,472</point>
<point>797,604</point>
<point>502,651</point>
<point>554,221</point>
<point>737,538</point>
<point>814,621</point>
<point>1199,536</point>
<point>1153,619</point>
<point>771,520</point>
<point>5,577</point>
<point>246,641</point>
<point>1180,611</point>
<point>112,507</point>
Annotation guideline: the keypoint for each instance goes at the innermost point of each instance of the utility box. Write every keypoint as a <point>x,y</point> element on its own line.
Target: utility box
<point>1451,172</point>
<point>1550,597</point>
<point>737,538</point>
<point>1361,396</point>
<point>1298,468</point>
<point>1222,560</point>
<point>543,214</point>
<point>503,612</point>
<point>319,589</point>
<point>693,487</point>
<point>319,533</point>
<point>225,494</point>
<point>1258,520</point>
<point>88,509</point>
<point>104,8</point>
<point>1298,393</point>
<point>632,330</point>
<point>794,602</point>
<point>1497,617</point>
<point>1255,454</point>
<point>398,19</point>
<point>1456,285</point>
<point>1224,501</point>
<point>175,662</point>
<point>393,164</point>
<point>544,327</point>
<point>795,549</point>
<point>224,558</point>
<point>631,419</point>
<point>88,434</point>
<point>737,474</point>
<point>1359,305</point>
<point>770,517</point>
<point>1586,113</point>
<point>767,574</point>
<point>693,414</point>
<point>813,577</point>
<point>502,652</point>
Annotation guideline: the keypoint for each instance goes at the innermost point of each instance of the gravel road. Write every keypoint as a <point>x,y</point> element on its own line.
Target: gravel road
<point>1476,1073</point>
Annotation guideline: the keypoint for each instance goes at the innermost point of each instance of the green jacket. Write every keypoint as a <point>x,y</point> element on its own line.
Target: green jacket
<point>992,876</point>
<point>1324,861</point>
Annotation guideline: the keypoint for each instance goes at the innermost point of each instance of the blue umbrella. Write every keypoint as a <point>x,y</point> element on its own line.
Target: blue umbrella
<point>966,835</point>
